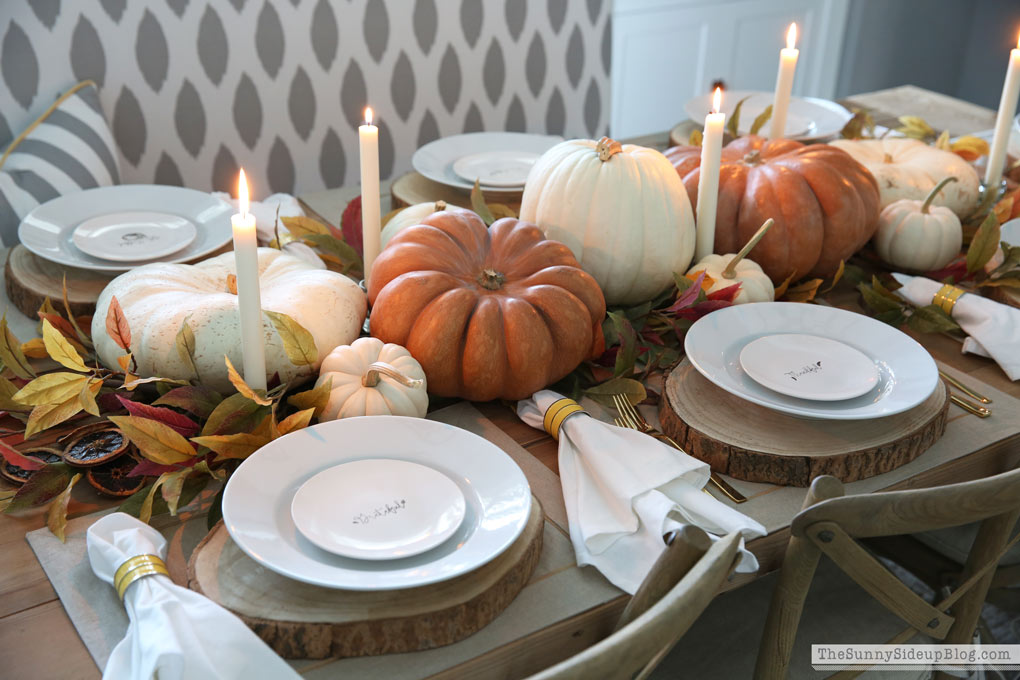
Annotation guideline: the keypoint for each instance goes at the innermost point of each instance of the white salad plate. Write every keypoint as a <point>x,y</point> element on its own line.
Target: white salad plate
<point>133,235</point>
<point>436,159</point>
<point>378,509</point>
<point>907,375</point>
<point>809,366</point>
<point>49,230</point>
<point>808,118</point>
<point>504,169</point>
<point>257,500</point>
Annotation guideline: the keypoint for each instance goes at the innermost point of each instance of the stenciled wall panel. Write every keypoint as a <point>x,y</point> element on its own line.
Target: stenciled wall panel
<point>193,88</point>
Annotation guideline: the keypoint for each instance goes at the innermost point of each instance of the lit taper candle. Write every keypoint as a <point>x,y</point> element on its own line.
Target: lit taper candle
<point>249,301</point>
<point>1007,109</point>
<point>368,136</point>
<point>708,180</point>
<point>784,84</point>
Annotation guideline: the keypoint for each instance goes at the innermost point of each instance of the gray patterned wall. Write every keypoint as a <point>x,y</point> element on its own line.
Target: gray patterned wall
<point>193,88</point>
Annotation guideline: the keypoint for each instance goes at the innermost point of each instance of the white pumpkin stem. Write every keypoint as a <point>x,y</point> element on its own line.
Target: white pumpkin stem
<point>935,192</point>
<point>607,148</point>
<point>380,368</point>
<point>731,269</point>
<point>887,158</point>
<point>440,206</point>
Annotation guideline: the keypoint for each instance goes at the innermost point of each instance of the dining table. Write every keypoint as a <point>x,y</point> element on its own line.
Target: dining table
<point>38,639</point>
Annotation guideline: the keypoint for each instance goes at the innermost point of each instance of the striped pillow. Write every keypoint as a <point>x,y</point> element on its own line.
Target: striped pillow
<point>67,149</point>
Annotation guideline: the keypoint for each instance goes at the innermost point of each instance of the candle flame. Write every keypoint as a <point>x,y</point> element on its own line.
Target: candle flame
<point>1018,41</point>
<point>716,100</point>
<point>368,115</point>
<point>791,36</point>
<point>242,193</point>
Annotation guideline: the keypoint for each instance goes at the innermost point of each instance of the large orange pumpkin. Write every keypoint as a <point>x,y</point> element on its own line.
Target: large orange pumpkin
<point>824,203</point>
<point>488,313</point>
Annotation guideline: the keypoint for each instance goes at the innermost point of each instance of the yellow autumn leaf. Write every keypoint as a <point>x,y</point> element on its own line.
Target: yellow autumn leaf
<point>969,147</point>
<point>695,138</point>
<point>298,343</point>
<point>240,445</point>
<point>10,353</point>
<point>145,513</point>
<point>706,283</point>
<point>185,343</point>
<point>51,388</point>
<point>804,291</point>
<point>315,398</point>
<point>296,421</point>
<point>943,141</point>
<point>267,428</point>
<point>173,484</point>
<point>56,515</point>
<point>87,396</point>
<point>303,226</point>
<point>46,416</point>
<point>242,387</point>
<point>60,350</point>
<point>34,349</point>
<point>7,392</point>
<point>781,288</point>
<point>158,442</point>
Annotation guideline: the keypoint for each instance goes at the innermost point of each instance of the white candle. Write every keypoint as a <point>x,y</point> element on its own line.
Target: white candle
<point>368,136</point>
<point>1007,109</point>
<point>784,84</point>
<point>708,182</point>
<point>249,302</point>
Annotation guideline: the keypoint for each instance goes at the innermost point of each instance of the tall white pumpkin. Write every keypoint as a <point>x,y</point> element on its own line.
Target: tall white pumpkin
<point>622,210</point>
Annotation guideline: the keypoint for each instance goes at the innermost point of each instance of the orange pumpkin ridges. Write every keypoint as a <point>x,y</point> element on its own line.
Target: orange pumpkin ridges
<point>496,313</point>
<point>824,202</point>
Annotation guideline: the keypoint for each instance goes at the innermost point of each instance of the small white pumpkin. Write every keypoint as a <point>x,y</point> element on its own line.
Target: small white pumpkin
<point>408,217</point>
<point>157,299</point>
<point>725,270</point>
<point>370,379</point>
<point>917,236</point>
<point>622,210</point>
<point>909,168</point>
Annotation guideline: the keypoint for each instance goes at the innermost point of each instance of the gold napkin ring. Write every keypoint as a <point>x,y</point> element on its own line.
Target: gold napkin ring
<point>135,568</point>
<point>559,411</point>
<point>946,297</point>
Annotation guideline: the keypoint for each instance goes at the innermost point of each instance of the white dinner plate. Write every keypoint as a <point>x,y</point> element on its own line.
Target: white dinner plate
<point>48,231</point>
<point>133,235</point>
<point>435,160</point>
<point>257,500</point>
<point>808,118</point>
<point>504,169</point>
<point>809,366</point>
<point>378,509</point>
<point>907,375</point>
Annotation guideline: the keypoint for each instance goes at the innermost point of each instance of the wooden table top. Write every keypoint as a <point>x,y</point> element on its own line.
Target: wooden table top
<point>38,640</point>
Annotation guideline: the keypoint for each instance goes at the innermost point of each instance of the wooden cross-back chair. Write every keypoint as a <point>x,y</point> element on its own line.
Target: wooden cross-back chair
<point>679,587</point>
<point>830,523</point>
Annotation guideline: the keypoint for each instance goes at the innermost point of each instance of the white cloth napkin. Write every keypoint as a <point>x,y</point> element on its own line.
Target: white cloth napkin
<point>174,633</point>
<point>265,221</point>
<point>623,490</point>
<point>994,328</point>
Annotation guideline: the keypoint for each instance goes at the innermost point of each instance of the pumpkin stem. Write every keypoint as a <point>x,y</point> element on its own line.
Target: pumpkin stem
<point>753,158</point>
<point>380,368</point>
<point>232,284</point>
<point>607,148</point>
<point>933,193</point>
<point>731,269</point>
<point>887,158</point>
<point>490,279</point>
<point>439,206</point>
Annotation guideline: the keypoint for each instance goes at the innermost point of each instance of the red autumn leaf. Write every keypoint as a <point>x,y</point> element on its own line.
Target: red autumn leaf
<point>61,324</point>
<point>15,458</point>
<point>652,337</point>
<point>179,422</point>
<point>350,225</point>
<point>149,468</point>
<point>688,297</point>
<point>957,270</point>
<point>117,325</point>
<point>729,293</point>
<point>699,310</point>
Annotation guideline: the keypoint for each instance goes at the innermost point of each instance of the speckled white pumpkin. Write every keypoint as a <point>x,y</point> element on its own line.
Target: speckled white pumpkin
<point>347,366</point>
<point>755,285</point>
<point>908,168</point>
<point>157,298</point>
<point>408,217</point>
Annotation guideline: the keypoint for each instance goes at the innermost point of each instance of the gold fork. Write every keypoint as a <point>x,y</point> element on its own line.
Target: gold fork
<point>963,388</point>
<point>619,423</point>
<point>633,419</point>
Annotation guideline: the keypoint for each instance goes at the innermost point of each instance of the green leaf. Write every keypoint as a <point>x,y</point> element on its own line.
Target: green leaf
<point>624,332</point>
<point>341,250</point>
<point>479,206</point>
<point>931,319</point>
<point>628,387</point>
<point>877,302</point>
<point>236,413</point>
<point>298,343</point>
<point>733,124</point>
<point>216,510</point>
<point>133,505</point>
<point>197,400</point>
<point>761,119</point>
<point>185,344</point>
<point>41,487</point>
<point>984,244</point>
<point>10,352</point>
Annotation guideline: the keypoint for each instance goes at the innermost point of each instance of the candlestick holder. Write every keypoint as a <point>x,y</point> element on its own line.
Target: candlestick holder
<point>983,190</point>
<point>365,327</point>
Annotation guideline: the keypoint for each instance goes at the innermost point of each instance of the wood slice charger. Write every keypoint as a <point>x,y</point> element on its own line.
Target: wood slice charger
<point>756,444</point>
<point>31,279</point>
<point>303,621</point>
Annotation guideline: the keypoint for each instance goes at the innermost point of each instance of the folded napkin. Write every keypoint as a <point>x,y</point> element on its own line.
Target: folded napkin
<point>623,490</point>
<point>174,632</point>
<point>265,221</point>
<point>994,328</point>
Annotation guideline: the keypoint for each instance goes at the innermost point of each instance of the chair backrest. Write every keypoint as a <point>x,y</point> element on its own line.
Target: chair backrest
<point>646,639</point>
